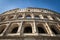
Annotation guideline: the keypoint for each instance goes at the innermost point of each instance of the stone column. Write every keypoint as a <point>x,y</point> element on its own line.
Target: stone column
<point>57,18</point>
<point>20,26</point>
<point>58,26</point>
<point>6,29</point>
<point>7,18</point>
<point>23,15</point>
<point>48,29</point>
<point>32,15</point>
<point>34,27</point>
<point>15,16</point>
<point>41,17</point>
<point>50,18</point>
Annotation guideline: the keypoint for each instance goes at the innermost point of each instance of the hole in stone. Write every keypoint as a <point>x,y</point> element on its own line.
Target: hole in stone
<point>2,28</point>
<point>28,16</point>
<point>37,17</point>
<point>41,30</point>
<point>20,16</point>
<point>28,29</point>
<point>2,18</point>
<point>1,31</point>
<point>10,17</point>
<point>45,16</point>
<point>29,10</point>
<point>54,29</point>
<point>14,30</point>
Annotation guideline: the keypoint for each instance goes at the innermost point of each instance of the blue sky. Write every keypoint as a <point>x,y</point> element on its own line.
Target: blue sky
<point>11,4</point>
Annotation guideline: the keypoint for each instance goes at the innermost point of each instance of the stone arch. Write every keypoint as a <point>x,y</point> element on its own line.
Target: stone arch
<point>20,16</point>
<point>3,18</point>
<point>28,16</point>
<point>2,27</point>
<point>45,16</point>
<point>10,17</point>
<point>27,28</point>
<point>13,28</point>
<point>36,16</point>
<point>53,17</point>
<point>54,29</point>
<point>41,28</point>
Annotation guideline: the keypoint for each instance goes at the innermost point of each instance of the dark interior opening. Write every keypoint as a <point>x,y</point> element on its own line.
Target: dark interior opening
<point>45,17</point>
<point>41,30</point>
<point>28,16</point>
<point>53,18</point>
<point>29,10</point>
<point>1,31</point>
<point>14,30</point>
<point>28,29</point>
<point>19,16</point>
<point>36,16</point>
<point>10,17</point>
<point>2,18</point>
<point>54,29</point>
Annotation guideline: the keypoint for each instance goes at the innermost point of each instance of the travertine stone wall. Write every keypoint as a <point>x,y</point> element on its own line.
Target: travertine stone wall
<point>32,17</point>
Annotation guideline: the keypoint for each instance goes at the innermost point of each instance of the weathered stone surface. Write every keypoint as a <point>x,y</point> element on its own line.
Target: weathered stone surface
<point>30,24</point>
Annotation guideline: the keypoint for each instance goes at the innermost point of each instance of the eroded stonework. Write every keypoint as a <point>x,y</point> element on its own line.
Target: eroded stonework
<point>30,24</point>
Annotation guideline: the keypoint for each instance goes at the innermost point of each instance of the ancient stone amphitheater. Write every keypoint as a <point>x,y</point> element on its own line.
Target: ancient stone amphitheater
<point>30,24</point>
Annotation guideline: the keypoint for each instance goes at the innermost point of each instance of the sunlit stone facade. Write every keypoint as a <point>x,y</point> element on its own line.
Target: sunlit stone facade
<point>30,24</point>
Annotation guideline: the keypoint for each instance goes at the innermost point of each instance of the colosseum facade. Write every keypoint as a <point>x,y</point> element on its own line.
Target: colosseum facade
<point>30,24</point>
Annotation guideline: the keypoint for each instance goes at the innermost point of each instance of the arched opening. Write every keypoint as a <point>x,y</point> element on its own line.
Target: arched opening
<point>54,29</point>
<point>41,28</point>
<point>45,17</point>
<point>2,28</point>
<point>14,30</point>
<point>28,16</point>
<point>20,16</point>
<point>10,17</point>
<point>36,16</point>
<point>2,18</point>
<point>28,10</point>
<point>27,28</point>
<point>1,31</point>
<point>53,18</point>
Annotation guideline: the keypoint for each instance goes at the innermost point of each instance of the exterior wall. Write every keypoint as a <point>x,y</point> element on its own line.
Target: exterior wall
<point>17,18</point>
<point>33,38</point>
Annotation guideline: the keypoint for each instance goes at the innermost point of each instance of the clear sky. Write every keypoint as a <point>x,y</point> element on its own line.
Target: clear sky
<point>11,4</point>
